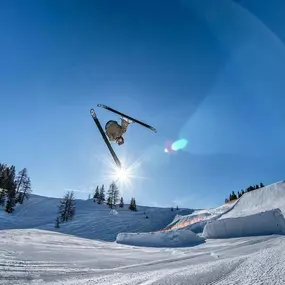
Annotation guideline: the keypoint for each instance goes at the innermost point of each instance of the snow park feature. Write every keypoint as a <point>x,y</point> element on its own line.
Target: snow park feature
<point>237,243</point>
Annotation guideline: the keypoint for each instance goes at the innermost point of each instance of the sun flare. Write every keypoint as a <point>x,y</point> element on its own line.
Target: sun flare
<point>122,174</point>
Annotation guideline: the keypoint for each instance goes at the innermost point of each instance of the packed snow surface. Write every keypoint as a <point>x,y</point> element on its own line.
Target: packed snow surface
<point>241,243</point>
<point>259,212</point>
<point>42,257</point>
<point>91,220</point>
<point>173,238</point>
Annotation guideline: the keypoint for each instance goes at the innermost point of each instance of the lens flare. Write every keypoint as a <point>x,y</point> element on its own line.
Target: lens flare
<point>179,144</point>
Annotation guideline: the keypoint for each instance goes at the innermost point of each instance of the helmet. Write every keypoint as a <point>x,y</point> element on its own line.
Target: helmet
<point>120,140</point>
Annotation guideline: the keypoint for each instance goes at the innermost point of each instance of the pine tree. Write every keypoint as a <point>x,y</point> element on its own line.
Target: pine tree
<point>101,195</point>
<point>261,185</point>
<point>23,186</point>
<point>57,222</point>
<point>3,172</point>
<point>2,197</point>
<point>109,202</point>
<point>133,206</point>
<point>67,207</point>
<point>25,191</point>
<point>10,188</point>
<point>121,203</point>
<point>113,195</point>
<point>21,177</point>
<point>256,186</point>
<point>233,196</point>
<point>96,194</point>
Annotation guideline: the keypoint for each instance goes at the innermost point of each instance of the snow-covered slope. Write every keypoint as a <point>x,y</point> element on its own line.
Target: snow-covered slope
<point>91,220</point>
<point>259,212</point>
<point>44,257</point>
<point>264,199</point>
<point>198,219</point>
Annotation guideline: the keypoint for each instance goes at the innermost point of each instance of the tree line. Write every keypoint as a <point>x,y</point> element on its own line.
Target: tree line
<point>67,206</point>
<point>234,196</point>
<point>14,187</point>
<point>111,198</point>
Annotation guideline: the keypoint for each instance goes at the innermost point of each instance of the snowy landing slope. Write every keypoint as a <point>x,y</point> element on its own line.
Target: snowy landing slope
<point>259,212</point>
<point>198,219</point>
<point>264,199</point>
<point>39,257</point>
<point>91,220</point>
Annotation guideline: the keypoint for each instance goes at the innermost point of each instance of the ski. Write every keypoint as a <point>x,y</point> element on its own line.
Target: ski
<point>98,124</point>
<point>127,117</point>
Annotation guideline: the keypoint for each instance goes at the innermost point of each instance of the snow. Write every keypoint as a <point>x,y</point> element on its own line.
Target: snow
<point>266,198</point>
<point>265,223</point>
<point>198,219</point>
<point>173,238</point>
<point>44,257</point>
<point>237,243</point>
<point>259,212</point>
<point>91,221</point>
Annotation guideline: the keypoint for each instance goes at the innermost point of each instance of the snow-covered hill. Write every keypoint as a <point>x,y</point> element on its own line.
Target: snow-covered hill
<point>91,221</point>
<point>258,212</point>
<point>175,254</point>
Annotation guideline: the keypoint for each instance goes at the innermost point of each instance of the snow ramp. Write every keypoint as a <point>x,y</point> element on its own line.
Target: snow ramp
<point>174,238</point>
<point>259,212</point>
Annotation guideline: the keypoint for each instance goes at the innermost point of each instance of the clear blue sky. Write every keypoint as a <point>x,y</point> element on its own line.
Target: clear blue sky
<point>210,72</point>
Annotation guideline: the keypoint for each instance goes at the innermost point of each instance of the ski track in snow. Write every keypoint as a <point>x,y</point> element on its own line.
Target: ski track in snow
<point>41,257</point>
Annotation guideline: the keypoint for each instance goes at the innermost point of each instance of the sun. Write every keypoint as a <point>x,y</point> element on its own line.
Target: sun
<point>122,174</point>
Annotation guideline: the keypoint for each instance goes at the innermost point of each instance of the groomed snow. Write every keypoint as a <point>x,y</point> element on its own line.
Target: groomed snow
<point>266,198</point>
<point>259,212</point>
<point>265,223</point>
<point>174,238</point>
<point>91,221</point>
<point>42,257</point>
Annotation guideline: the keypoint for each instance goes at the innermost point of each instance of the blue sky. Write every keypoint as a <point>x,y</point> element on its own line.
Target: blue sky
<point>205,71</point>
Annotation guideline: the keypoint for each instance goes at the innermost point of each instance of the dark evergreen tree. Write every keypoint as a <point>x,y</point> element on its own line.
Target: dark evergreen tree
<point>57,222</point>
<point>113,195</point>
<point>23,186</point>
<point>2,197</point>
<point>121,202</point>
<point>233,196</point>
<point>10,189</point>
<point>96,195</point>
<point>261,185</point>
<point>109,202</point>
<point>25,191</point>
<point>3,177</point>
<point>101,195</point>
<point>171,209</point>
<point>21,177</point>
<point>67,207</point>
<point>133,206</point>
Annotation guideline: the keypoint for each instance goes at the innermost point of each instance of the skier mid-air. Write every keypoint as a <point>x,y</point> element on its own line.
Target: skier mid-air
<point>114,131</point>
